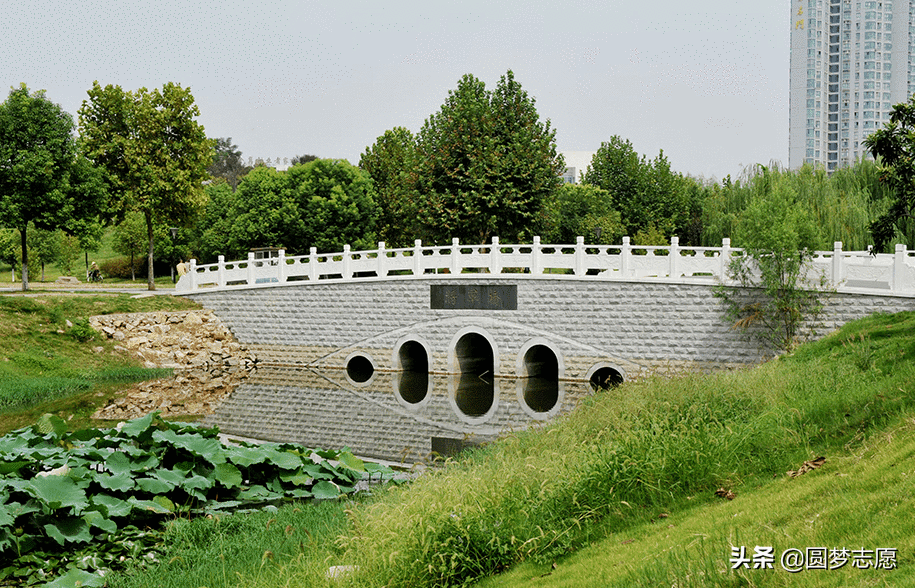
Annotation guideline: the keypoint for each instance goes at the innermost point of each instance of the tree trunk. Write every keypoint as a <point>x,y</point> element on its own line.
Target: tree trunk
<point>150,275</point>
<point>25,260</point>
<point>133,275</point>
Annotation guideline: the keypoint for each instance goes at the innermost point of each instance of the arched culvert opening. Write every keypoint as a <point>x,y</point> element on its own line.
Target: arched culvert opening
<point>359,368</point>
<point>475,392</point>
<point>603,377</point>
<point>541,386</point>
<point>413,384</point>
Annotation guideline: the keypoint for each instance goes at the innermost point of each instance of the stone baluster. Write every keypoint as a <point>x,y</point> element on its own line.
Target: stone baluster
<point>221,271</point>
<point>347,263</point>
<point>192,273</point>
<point>495,262</point>
<point>455,256</point>
<point>281,267</point>
<point>673,256</point>
<point>625,255</point>
<point>536,258</point>
<point>579,256</point>
<point>838,263</point>
<point>724,257</point>
<point>899,268</point>
<point>251,278</point>
<point>381,270</point>
<point>418,257</point>
<point>313,264</point>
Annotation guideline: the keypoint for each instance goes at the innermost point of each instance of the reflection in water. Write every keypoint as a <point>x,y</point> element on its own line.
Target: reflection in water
<point>474,395</point>
<point>412,386</point>
<point>541,394</point>
<point>395,416</point>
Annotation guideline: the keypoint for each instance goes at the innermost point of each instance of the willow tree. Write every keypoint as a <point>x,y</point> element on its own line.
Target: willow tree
<point>154,151</point>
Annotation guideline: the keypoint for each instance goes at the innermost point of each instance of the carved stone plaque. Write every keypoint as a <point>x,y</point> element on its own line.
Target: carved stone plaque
<point>473,297</point>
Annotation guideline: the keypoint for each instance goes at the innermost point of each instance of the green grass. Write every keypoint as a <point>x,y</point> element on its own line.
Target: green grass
<point>45,366</point>
<point>238,549</point>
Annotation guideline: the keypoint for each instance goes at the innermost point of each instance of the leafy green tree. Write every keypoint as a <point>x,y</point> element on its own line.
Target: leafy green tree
<point>580,210</point>
<point>210,236</point>
<point>68,253</point>
<point>154,151</point>
<point>228,163</point>
<point>485,164</point>
<point>44,247</point>
<point>894,148</point>
<point>646,192</point>
<point>774,296</point>
<point>43,180</point>
<point>391,163</point>
<point>130,238</point>
<point>300,159</point>
<point>325,203</point>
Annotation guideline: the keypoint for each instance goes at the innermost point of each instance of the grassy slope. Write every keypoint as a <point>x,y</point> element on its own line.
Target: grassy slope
<point>44,370</point>
<point>576,492</point>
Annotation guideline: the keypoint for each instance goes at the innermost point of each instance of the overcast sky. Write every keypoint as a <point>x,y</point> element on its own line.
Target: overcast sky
<point>704,80</point>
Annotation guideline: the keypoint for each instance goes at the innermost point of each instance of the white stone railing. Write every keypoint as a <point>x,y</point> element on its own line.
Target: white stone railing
<point>851,271</point>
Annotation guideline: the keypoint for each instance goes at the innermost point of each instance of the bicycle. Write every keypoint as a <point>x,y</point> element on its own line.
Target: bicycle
<point>95,276</point>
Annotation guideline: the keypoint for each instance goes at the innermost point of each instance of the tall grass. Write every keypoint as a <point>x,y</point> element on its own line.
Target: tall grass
<point>629,453</point>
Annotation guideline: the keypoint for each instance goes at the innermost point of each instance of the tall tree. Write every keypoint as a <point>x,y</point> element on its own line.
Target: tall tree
<point>894,148</point>
<point>228,163</point>
<point>300,159</point>
<point>43,180</point>
<point>391,162</point>
<point>326,203</point>
<point>650,197</point>
<point>485,163</point>
<point>155,152</point>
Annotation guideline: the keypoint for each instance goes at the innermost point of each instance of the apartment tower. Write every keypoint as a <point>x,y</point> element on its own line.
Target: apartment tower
<point>850,63</point>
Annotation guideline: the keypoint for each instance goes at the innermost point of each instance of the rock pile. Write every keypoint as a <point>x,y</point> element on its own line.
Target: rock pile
<point>207,361</point>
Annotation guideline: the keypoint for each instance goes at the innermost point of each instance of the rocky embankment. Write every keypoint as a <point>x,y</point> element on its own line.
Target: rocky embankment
<point>208,362</point>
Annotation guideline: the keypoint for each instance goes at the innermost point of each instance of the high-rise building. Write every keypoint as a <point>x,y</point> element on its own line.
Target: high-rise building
<point>851,61</point>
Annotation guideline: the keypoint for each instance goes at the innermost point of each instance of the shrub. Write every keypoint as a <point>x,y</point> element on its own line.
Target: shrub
<point>119,267</point>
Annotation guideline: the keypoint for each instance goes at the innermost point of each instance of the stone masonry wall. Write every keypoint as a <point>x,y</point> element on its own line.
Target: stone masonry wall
<point>635,326</point>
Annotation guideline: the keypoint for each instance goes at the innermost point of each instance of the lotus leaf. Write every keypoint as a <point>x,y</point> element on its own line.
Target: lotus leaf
<point>154,485</point>
<point>98,520</point>
<point>227,475</point>
<point>75,578</point>
<point>122,482</point>
<point>69,529</point>
<point>58,492</point>
<point>325,490</point>
<point>115,507</point>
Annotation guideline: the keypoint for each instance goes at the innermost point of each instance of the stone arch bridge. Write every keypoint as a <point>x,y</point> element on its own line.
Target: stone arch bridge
<point>443,343</point>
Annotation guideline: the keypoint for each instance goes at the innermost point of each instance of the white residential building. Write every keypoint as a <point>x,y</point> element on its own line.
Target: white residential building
<point>851,61</point>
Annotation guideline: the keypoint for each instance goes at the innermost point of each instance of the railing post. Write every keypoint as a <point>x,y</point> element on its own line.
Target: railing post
<point>313,264</point>
<point>456,256</point>
<point>536,258</point>
<point>221,271</point>
<point>673,256</point>
<point>418,257</point>
<point>251,279</point>
<point>382,269</point>
<point>495,264</point>
<point>347,263</point>
<point>579,256</point>
<point>192,273</point>
<point>838,261</point>
<point>898,268</point>
<point>281,267</point>
<point>625,254</point>
<point>725,258</point>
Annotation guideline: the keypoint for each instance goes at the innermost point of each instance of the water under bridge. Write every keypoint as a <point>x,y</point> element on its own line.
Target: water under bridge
<point>399,352</point>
